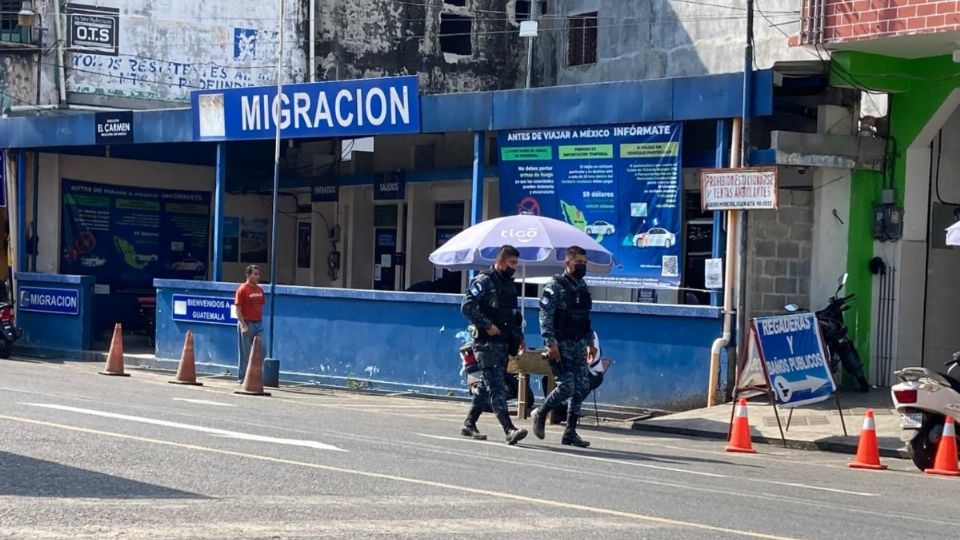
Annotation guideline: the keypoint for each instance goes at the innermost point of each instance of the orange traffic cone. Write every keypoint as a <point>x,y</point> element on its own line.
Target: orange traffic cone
<point>187,371</point>
<point>946,462</point>
<point>114,364</point>
<point>253,380</point>
<point>868,453</point>
<point>740,435</point>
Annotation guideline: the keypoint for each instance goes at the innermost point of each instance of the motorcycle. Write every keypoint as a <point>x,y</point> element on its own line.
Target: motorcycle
<point>925,398</point>
<point>841,349</point>
<point>9,331</point>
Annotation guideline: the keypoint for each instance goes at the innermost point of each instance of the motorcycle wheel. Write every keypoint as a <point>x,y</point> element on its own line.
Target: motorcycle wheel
<point>922,449</point>
<point>850,359</point>
<point>4,349</point>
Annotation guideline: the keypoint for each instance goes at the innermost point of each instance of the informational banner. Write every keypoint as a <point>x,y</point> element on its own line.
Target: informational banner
<point>739,189</point>
<point>794,359</point>
<point>204,309</point>
<point>50,300</point>
<point>114,127</point>
<point>127,236</point>
<point>620,184</point>
<point>389,105</point>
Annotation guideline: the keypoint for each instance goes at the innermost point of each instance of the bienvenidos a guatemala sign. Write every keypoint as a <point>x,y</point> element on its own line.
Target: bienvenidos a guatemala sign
<point>203,309</point>
<point>383,106</point>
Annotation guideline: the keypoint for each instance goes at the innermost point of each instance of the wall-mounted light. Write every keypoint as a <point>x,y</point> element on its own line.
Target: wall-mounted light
<point>26,16</point>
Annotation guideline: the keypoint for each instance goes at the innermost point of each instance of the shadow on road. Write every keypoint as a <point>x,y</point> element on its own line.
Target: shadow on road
<point>641,456</point>
<point>23,476</point>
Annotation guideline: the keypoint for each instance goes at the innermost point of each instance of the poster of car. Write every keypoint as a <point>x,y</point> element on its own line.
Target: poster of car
<point>620,184</point>
<point>127,236</point>
<point>254,240</point>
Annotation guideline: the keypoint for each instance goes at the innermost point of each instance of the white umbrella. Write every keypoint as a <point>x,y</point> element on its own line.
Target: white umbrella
<point>541,241</point>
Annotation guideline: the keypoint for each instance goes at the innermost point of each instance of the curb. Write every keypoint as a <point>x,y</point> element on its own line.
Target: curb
<point>822,446</point>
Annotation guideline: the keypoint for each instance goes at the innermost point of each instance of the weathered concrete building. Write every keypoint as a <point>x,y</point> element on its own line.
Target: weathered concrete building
<point>145,54</point>
<point>454,45</point>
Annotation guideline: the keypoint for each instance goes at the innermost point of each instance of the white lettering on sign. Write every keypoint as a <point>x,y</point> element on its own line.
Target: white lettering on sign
<point>785,325</point>
<point>208,303</point>
<point>739,189</point>
<point>52,300</point>
<point>796,363</point>
<point>311,111</point>
<point>522,236</point>
<point>390,186</point>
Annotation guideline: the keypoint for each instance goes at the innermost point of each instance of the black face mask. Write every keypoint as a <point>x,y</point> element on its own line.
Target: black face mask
<point>507,272</point>
<point>579,270</point>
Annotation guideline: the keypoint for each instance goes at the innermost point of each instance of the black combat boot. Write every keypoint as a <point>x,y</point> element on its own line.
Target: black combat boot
<point>540,421</point>
<point>469,429</point>
<point>513,435</point>
<point>570,437</point>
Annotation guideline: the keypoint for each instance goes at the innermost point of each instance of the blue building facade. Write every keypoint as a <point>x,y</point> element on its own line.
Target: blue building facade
<point>382,339</point>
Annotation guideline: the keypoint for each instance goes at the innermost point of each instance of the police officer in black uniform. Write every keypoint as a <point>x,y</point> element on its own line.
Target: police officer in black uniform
<point>567,333</point>
<point>491,306</point>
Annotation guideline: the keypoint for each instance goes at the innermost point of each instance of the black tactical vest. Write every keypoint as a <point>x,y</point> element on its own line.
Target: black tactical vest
<point>572,317</point>
<point>502,309</point>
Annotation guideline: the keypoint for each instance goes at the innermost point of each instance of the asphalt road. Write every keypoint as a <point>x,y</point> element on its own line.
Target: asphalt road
<point>88,456</point>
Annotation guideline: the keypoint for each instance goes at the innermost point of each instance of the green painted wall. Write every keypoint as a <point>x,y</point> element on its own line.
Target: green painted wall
<point>917,89</point>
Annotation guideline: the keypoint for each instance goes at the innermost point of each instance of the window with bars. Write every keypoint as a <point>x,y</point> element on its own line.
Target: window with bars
<point>582,39</point>
<point>10,29</point>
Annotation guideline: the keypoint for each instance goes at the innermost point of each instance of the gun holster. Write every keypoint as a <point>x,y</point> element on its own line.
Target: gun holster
<point>556,366</point>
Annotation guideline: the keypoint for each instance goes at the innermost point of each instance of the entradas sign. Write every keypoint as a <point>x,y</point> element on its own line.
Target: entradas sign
<point>337,108</point>
<point>47,300</point>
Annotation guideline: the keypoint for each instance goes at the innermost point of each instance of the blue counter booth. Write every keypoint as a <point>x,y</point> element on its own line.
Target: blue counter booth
<point>398,341</point>
<point>54,311</point>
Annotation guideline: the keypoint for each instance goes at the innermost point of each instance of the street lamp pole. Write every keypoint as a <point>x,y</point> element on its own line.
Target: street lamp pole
<point>276,188</point>
<point>26,18</point>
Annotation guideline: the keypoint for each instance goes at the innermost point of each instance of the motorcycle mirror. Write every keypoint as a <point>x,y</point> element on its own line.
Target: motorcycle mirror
<point>792,308</point>
<point>843,279</point>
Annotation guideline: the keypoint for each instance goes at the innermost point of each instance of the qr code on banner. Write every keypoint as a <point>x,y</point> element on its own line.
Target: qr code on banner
<point>670,266</point>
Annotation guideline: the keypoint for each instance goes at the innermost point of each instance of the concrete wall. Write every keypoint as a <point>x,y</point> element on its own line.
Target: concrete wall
<point>407,342</point>
<point>375,38</point>
<point>662,38</point>
<point>941,338</point>
<point>168,48</point>
<point>778,255</point>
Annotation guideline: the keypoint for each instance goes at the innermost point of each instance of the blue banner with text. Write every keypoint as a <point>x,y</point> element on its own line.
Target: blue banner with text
<point>619,184</point>
<point>383,106</point>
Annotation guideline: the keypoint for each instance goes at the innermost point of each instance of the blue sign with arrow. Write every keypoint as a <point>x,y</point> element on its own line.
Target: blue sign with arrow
<point>794,359</point>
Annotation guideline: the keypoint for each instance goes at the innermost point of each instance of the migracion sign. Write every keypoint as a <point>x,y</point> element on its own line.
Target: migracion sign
<point>388,105</point>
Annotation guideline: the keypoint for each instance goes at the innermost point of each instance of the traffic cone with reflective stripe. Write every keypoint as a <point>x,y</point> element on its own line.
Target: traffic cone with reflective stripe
<point>868,452</point>
<point>187,371</point>
<point>114,365</point>
<point>253,380</point>
<point>946,462</point>
<point>740,435</point>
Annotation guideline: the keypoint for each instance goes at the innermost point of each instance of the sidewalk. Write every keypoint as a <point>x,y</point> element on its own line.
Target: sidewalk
<point>816,427</point>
